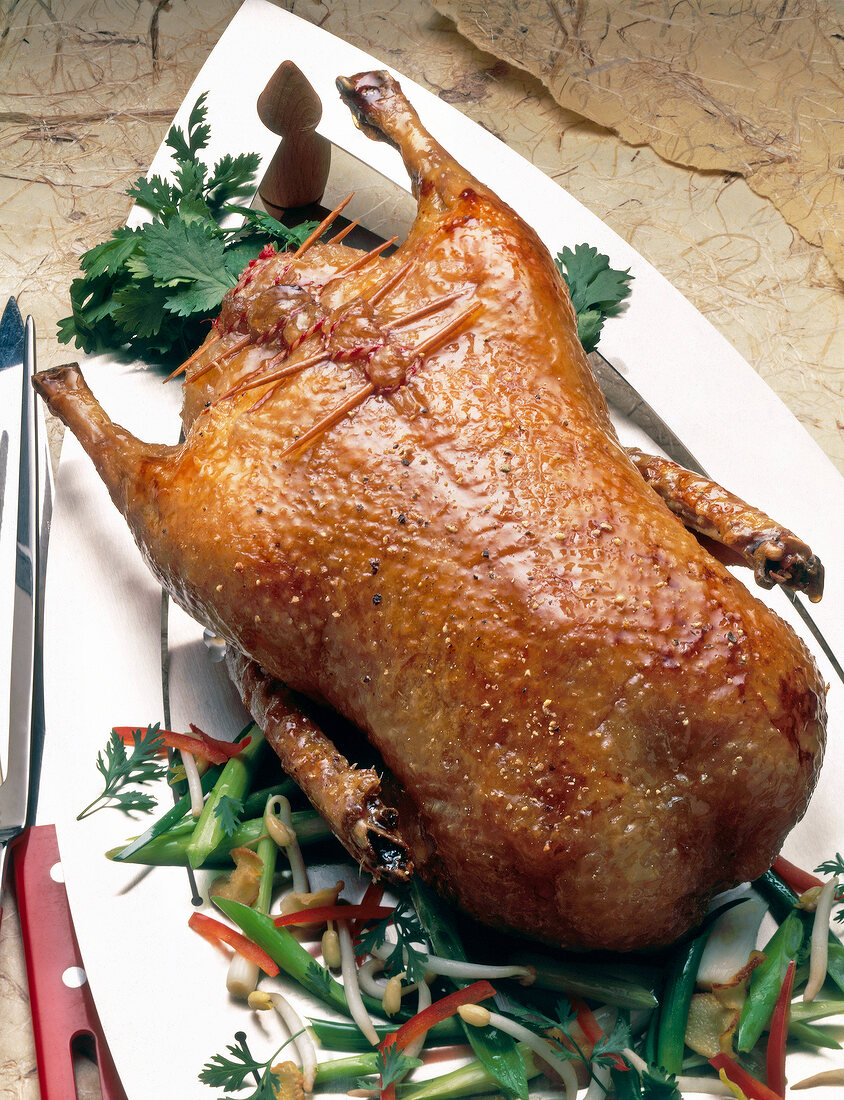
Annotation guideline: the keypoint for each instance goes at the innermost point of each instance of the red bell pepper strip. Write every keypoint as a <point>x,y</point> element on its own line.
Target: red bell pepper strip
<point>372,896</point>
<point>216,932</point>
<point>752,1089</point>
<point>321,913</point>
<point>592,1029</point>
<point>423,1021</point>
<point>794,876</point>
<point>208,748</point>
<point>775,1054</point>
<point>227,748</point>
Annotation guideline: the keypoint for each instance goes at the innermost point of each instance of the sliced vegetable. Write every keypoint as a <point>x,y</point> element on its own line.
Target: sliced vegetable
<point>778,1034</point>
<point>820,940</point>
<point>433,1014</point>
<point>166,821</point>
<point>674,1013</point>
<point>232,783</point>
<point>766,980</point>
<point>345,1036</point>
<point>732,939</point>
<point>198,744</point>
<point>334,912</point>
<point>470,1080</point>
<point>216,932</point>
<point>620,985</point>
<point>439,1010</point>
<point>496,1051</point>
<point>795,877</point>
<point>730,1071</point>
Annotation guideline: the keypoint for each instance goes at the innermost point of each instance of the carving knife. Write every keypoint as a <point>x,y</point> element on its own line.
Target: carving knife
<point>19,569</point>
<point>622,396</point>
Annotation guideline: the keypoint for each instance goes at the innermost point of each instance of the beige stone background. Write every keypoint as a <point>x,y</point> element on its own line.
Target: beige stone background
<point>88,87</point>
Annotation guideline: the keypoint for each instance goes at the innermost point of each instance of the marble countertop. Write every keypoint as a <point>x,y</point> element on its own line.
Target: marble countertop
<point>93,86</point>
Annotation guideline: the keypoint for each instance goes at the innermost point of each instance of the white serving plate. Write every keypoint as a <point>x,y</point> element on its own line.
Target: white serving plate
<point>158,987</point>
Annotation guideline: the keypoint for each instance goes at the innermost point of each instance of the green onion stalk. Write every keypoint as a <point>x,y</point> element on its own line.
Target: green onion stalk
<point>170,849</point>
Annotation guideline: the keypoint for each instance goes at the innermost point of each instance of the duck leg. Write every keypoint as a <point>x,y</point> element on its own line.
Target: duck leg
<point>348,798</point>
<point>775,554</point>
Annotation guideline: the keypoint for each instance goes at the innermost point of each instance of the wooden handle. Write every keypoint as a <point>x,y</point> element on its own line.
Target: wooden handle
<point>298,172</point>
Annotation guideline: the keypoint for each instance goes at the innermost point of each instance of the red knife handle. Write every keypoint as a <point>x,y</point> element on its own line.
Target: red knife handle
<point>62,1012</point>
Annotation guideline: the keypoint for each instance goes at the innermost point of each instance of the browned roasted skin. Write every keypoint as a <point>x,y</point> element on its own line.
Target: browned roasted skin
<point>595,725</point>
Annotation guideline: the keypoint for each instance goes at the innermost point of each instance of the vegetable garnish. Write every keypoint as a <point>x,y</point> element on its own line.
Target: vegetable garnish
<point>216,932</point>
<point>231,1073</point>
<point>151,288</point>
<point>795,877</point>
<point>820,940</point>
<point>198,743</point>
<point>778,1034</point>
<point>334,912</point>
<point>262,1001</point>
<point>597,290</point>
<point>403,954</point>
<point>120,769</point>
<point>423,1021</point>
<point>731,1073</point>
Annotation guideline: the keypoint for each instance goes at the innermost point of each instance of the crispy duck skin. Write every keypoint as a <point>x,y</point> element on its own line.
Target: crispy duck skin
<point>401,494</point>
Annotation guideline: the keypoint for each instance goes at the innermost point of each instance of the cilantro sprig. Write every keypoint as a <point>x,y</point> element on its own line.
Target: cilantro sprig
<point>230,1071</point>
<point>120,769</point>
<point>229,812</point>
<point>597,290</point>
<point>405,955</point>
<point>391,1066</point>
<point>150,289</point>
<point>834,867</point>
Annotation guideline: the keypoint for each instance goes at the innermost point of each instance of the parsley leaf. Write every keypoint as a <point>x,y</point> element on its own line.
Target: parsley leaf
<point>596,289</point>
<point>230,1073</point>
<point>391,1065</point>
<point>834,867</point>
<point>119,769</point>
<point>228,811</point>
<point>150,289</point>
<point>405,955</point>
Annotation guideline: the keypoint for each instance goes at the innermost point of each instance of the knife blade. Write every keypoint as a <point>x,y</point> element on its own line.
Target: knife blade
<point>629,402</point>
<point>19,559</point>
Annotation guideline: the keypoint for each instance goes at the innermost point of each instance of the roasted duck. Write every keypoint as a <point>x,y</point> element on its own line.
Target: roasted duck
<point>400,496</point>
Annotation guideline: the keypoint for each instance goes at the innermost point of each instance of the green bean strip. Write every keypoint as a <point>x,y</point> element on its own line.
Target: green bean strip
<point>232,783</point>
<point>345,1036</point>
<point>470,1080</point>
<point>782,901</point>
<point>496,1050</point>
<point>285,950</point>
<point>812,1036</point>
<point>674,1014</point>
<point>170,849</point>
<point>766,980</point>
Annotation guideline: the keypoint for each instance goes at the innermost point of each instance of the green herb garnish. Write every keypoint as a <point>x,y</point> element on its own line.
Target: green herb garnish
<point>230,1073</point>
<point>405,955</point>
<point>228,812</point>
<point>119,769</point>
<point>597,290</point>
<point>150,290</point>
<point>391,1066</point>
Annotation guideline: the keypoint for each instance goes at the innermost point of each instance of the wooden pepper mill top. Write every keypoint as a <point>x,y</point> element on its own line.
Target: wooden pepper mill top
<point>298,172</point>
